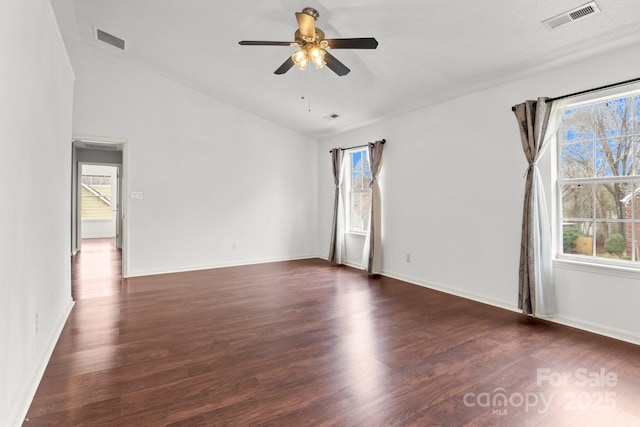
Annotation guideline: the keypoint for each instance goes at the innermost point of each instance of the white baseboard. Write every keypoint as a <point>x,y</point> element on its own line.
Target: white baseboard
<point>619,334</point>
<point>18,416</point>
<point>615,333</point>
<point>446,289</point>
<point>215,265</point>
<point>454,291</point>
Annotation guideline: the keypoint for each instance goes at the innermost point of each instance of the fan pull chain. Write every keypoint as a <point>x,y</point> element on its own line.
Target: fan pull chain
<point>307,89</point>
<point>308,98</point>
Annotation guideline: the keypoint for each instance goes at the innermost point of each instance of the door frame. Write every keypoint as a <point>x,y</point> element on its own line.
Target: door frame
<point>122,218</point>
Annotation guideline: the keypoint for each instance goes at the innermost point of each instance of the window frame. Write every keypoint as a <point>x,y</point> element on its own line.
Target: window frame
<point>594,263</point>
<point>350,191</point>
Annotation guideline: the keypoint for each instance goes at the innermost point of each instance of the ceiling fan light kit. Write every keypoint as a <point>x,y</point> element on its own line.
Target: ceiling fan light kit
<point>309,53</point>
<point>312,45</point>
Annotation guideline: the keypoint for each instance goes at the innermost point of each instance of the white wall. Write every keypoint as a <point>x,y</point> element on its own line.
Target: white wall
<point>452,189</point>
<point>210,174</point>
<point>36,83</point>
<point>102,228</point>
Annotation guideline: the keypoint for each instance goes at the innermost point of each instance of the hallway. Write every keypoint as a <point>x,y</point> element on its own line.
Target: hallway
<point>96,271</point>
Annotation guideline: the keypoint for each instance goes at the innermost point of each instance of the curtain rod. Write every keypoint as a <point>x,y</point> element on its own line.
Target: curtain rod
<point>357,146</point>
<point>595,89</point>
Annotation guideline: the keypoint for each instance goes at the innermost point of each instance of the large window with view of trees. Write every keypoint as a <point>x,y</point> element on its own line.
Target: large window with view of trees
<point>599,180</point>
<point>359,191</point>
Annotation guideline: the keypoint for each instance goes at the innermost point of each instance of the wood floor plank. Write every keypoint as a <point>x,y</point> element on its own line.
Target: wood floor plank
<point>92,414</point>
<point>400,397</point>
<point>175,401</point>
<point>98,386</point>
<point>197,421</point>
<point>306,343</point>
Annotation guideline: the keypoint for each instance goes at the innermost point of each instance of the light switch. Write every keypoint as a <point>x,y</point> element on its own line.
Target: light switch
<point>136,194</point>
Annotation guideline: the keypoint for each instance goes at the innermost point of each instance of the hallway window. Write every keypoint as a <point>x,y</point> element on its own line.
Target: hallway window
<point>96,197</point>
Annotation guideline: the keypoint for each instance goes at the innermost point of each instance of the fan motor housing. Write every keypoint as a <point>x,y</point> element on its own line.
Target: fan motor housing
<point>311,12</point>
<point>300,40</point>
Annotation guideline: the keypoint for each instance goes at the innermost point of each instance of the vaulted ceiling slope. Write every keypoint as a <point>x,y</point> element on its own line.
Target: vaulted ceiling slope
<point>428,51</point>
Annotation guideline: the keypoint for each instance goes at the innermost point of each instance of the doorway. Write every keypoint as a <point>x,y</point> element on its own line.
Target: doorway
<point>97,195</point>
<point>99,202</point>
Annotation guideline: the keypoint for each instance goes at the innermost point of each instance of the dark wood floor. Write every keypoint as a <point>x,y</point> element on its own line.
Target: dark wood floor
<point>302,343</point>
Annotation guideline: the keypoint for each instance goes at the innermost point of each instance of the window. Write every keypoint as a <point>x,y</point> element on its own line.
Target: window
<point>359,191</point>
<point>96,197</point>
<point>599,180</point>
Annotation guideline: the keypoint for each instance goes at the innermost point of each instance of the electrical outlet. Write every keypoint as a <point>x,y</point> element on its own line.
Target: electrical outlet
<point>234,246</point>
<point>37,326</point>
<point>408,257</point>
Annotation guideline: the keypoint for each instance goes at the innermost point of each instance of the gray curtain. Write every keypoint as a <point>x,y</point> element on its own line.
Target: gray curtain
<point>372,253</point>
<point>536,294</point>
<point>336,249</point>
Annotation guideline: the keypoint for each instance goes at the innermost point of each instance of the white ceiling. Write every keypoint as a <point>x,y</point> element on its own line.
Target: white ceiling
<point>428,51</point>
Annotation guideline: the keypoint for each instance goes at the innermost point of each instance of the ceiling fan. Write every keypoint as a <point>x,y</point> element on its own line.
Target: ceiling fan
<point>313,46</point>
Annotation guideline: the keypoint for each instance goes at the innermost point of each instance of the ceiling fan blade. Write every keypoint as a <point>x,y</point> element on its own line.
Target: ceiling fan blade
<point>307,26</point>
<point>359,43</point>
<point>336,66</point>
<point>285,66</point>
<point>265,43</point>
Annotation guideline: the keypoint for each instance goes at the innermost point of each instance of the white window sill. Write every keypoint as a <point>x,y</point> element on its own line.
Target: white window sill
<point>629,272</point>
<point>357,233</point>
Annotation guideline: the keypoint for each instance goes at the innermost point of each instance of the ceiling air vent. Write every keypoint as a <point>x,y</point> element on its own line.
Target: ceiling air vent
<point>109,39</point>
<point>101,146</point>
<point>572,15</point>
